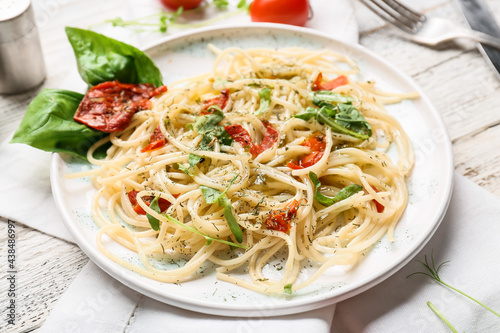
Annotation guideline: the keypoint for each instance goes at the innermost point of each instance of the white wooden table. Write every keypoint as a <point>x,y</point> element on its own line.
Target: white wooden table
<point>456,78</point>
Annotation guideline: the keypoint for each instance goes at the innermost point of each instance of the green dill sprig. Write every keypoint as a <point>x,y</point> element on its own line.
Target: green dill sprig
<point>433,273</point>
<point>164,20</point>
<point>442,317</point>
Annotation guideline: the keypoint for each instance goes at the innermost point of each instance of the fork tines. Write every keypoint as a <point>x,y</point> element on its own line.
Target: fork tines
<point>397,14</point>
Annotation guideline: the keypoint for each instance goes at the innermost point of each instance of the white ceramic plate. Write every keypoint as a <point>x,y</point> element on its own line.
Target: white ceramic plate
<point>429,185</point>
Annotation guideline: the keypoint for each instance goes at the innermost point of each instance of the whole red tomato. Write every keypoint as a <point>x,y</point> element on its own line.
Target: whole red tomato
<point>186,4</point>
<point>293,12</point>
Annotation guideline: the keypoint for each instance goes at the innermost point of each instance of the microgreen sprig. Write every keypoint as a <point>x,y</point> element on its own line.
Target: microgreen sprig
<point>433,273</point>
<point>443,318</point>
<point>163,20</point>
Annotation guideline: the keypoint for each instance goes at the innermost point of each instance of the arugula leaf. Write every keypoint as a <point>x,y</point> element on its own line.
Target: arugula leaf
<point>265,100</point>
<point>344,193</point>
<point>185,169</point>
<point>153,221</point>
<point>48,124</point>
<point>321,97</point>
<point>212,195</point>
<point>206,123</point>
<point>208,238</point>
<point>100,59</point>
<point>349,117</point>
<point>343,118</point>
<point>194,159</point>
<point>308,114</point>
<point>207,126</point>
<point>288,288</point>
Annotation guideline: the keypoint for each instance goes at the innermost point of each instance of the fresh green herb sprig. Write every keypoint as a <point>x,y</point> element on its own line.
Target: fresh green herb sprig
<point>265,100</point>
<point>212,195</point>
<point>164,20</point>
<point>336,111</point>
<point>433,273</point>
<point>207,126</point>
<point>155,225</point>
<point>344,193</point>
<point>442,317</point>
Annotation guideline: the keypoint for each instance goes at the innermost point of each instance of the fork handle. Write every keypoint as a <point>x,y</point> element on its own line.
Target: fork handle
<point>483,38</point>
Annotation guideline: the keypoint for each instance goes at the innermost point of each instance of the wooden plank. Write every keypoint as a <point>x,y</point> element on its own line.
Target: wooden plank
<point>46,266</point>
<point>478,158</point>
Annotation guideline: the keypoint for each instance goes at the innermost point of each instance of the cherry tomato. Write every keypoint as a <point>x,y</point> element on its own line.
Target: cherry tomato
<point>186,4</point>
<point>293,12</point>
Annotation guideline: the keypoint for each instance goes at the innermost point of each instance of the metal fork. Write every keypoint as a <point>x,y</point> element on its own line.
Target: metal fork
<point>430,31</point>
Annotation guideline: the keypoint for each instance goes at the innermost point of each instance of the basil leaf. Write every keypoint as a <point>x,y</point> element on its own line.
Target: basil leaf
<point>344,193</point>
<point>153,221</point>
<point>288,289</point>
<point>48,124</point>
<point>265,100</point>
<point>100,59</point>
<point>325,96</point>
<point>349,117</point>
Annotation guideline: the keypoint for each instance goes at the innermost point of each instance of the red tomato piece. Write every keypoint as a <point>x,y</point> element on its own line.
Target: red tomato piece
<point>220,101</point>
<point>132,196</point>
<point>157,140</point>
<point>270,138</point>
<point>329,85</point>
<point>109,106</point>
<point>280,219</point>
<point>380,207</point>
<point>311,159</point>
<point>294,166</point>
<point>317,144</point>
<point>185,4</point>
<point>295,12</point>
<point>241,135</point>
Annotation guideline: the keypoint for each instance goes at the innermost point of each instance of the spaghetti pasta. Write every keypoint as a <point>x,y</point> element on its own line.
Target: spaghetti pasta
<point>257,147</point>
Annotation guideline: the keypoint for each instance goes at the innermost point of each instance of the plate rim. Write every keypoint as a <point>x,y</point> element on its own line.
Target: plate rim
<point>307,304</point>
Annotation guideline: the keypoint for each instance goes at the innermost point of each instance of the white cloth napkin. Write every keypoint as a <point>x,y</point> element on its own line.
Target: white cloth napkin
<point>95,302</point>
<point>468,237</point>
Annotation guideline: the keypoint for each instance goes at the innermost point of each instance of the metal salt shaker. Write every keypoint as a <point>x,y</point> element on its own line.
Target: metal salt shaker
<point>21,60</point>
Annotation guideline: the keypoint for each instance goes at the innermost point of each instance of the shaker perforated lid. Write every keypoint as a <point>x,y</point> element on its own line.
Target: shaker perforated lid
<point>10,9</point>
<point>21,59</point>
<point>16,20</point>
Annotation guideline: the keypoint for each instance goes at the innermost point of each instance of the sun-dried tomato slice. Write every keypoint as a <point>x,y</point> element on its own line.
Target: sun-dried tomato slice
<point>280,219</point>
<point>220,101</point>
<point>241,135</point>
<point>109,106</point>
<point>329,85</point>
<point>157,140</point>
<point>132,196</point>
<point>317,144</point>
